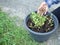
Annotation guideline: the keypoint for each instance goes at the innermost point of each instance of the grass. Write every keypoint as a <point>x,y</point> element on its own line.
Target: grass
<point>11,34</point>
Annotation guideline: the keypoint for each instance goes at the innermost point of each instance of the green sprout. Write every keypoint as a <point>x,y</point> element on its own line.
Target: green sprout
<point>38,19</point>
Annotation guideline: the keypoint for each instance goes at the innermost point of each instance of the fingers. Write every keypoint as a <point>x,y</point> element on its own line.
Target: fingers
<point>43,8</point>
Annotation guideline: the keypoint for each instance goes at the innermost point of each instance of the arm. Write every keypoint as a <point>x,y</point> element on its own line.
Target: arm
<point>51,2</point>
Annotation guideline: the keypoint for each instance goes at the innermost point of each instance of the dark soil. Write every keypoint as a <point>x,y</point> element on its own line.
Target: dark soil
<point>45,28</point>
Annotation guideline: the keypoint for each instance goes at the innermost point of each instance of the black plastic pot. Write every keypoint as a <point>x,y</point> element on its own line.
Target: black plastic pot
<point>42,36</point>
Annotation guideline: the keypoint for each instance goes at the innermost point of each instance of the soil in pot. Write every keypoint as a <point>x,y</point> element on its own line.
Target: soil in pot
<point>47,27</point>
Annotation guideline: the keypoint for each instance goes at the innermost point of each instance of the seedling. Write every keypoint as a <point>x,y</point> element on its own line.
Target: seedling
<point>38,19</point>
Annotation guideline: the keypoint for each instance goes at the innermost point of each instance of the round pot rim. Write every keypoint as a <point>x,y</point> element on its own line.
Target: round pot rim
<point>38,33</point>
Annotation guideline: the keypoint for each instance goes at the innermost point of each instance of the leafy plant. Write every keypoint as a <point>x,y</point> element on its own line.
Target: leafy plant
<point>38,19</point>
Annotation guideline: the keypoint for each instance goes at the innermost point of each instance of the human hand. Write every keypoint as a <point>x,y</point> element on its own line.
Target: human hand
<point>43,8</point>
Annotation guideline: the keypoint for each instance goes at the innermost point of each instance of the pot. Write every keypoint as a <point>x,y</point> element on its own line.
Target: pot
<point>42,36</point>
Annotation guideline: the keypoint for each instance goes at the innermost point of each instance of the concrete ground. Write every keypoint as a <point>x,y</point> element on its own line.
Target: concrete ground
<point>22,8</point>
